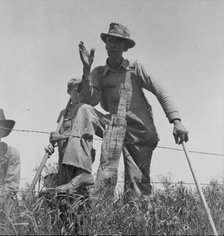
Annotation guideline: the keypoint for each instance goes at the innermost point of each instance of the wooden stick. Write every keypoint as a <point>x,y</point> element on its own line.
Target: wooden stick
<point>46,156</point>
<point>111,149</point>
<point>201,193</point>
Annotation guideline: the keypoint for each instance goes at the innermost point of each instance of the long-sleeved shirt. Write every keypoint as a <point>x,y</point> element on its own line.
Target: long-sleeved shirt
<point>104,83</point>
<point>9,171</point>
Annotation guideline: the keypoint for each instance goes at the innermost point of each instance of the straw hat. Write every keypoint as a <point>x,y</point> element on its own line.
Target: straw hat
<point>120,31</point>
<point>8,124</point>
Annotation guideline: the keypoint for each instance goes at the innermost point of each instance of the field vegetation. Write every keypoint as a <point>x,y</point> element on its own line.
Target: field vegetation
<point>173,209</point>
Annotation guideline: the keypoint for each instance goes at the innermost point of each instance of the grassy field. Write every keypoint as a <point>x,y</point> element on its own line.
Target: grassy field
<point>171,210</point>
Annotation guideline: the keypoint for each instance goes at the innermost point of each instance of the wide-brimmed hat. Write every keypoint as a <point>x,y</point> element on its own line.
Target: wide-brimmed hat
<point>120,31</point>
<point>6,126</point>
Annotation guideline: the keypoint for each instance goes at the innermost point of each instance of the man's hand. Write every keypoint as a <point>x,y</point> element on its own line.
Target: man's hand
<point>179,132</point>
<point>55,137</point>
<point>49,149</point>
<point>86,57</point>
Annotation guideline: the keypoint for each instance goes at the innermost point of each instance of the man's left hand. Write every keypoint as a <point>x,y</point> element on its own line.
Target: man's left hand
<point>86,57</point>
<point>179,132</point>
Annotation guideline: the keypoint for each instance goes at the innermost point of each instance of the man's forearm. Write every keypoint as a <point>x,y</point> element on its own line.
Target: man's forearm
<point>86,72</point>
<point>64,136</point>
<point>87,92</point>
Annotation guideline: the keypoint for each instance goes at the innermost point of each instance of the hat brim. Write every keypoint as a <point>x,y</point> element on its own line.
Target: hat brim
<point>130,42</point>
<point>8,124</point>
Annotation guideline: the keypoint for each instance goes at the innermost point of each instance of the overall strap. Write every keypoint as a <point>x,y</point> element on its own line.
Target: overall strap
<point>129,93</point>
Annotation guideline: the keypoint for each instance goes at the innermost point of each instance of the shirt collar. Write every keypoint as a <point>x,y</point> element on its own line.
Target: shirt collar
<point>124,64</point>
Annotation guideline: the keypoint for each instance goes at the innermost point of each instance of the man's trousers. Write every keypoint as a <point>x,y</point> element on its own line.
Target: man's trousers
<point>139,142</point>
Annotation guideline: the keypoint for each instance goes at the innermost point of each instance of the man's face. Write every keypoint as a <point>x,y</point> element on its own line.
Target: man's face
<point>115,47</point>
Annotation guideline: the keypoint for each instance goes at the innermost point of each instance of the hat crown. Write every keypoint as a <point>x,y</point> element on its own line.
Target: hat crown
<point>8,124</point>
<point>2,116</point>
<point>119,30</point>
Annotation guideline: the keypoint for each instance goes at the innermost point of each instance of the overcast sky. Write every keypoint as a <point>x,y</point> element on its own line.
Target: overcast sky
<point>179,42</point>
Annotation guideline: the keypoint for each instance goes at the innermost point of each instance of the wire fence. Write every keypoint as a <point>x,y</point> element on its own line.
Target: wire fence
<point>100,139</point>
<point>171,185</point>
<point>120,181</point>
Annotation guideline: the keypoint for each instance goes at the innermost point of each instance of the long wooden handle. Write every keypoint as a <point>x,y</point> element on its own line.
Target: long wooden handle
<point>43,162</point>
<point>200,193</point>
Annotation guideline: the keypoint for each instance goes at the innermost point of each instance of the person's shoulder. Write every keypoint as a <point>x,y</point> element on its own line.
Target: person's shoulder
<point>62,113</point>
<point>13,152</point>
<point>135,64</point>
<point>98,69</point>
<point>97,73</point>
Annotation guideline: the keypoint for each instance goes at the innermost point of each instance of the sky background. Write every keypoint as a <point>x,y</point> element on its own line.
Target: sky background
<point>179,42</point>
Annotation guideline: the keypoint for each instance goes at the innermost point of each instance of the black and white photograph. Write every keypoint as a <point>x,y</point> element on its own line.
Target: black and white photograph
<point>111,117</point>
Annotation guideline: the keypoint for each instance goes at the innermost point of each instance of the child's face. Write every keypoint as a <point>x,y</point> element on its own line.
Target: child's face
<point>75,95</point>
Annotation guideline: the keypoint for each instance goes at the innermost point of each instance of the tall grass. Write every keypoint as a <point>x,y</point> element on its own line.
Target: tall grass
<point>171,210</point>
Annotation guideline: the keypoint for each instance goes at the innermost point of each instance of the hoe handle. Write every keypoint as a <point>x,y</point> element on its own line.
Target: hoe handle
<point>201,193</point>
<point>46,156</point>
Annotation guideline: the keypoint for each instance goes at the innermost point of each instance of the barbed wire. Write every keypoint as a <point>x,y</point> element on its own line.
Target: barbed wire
<point>172,184</point>
<point>155,182</point>
<point>100,139</point>
<point>198,152</point>
<point>26,130</point>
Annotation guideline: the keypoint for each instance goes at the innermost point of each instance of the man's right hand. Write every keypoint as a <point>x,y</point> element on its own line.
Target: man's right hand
<point>55,137</point>
<point>86,57</point>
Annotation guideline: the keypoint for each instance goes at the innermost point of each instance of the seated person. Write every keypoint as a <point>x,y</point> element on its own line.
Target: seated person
<point>9,162</point>
<point>74,164</point>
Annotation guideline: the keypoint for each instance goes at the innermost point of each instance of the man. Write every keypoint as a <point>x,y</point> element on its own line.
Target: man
<point>9,162</point>
<point>103,85</point>
<point>75,154</point>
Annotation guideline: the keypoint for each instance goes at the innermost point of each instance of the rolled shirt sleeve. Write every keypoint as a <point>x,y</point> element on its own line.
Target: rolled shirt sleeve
<point>160,92</point>
<point>91,91</point>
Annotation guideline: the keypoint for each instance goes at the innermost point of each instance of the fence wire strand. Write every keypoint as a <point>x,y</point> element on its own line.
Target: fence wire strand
<point>99,139</point>
<point>121,181</point>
